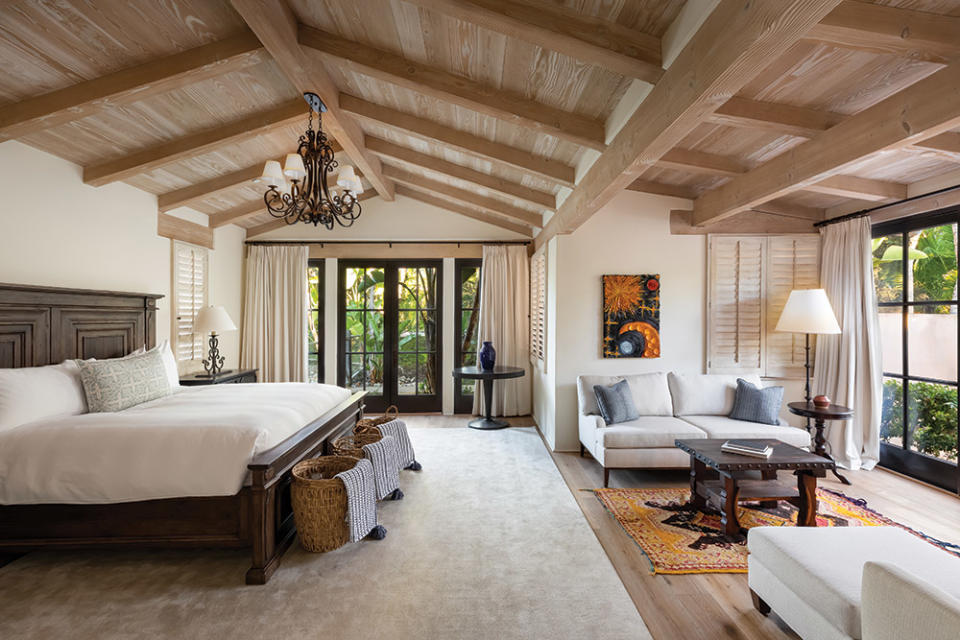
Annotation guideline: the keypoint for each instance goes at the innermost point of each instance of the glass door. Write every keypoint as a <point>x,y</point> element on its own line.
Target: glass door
<point>390,332</point>
<point>467,308</point>
<point>915,276</point>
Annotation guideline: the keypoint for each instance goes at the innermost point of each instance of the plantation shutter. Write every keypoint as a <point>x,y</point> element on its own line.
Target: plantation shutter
<point>792,263</point>
<point>736,311</point>
<point>190,295</point>
<point>538,304</point>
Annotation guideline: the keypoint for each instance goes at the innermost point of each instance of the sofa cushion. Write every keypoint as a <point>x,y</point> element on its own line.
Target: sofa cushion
<point>823,566</point>
<point>724,427</point>
<point>615,402</point>
<point>647,432</point>
<point>650,392</point>
<point>757,404</point>
<point>705,395</point>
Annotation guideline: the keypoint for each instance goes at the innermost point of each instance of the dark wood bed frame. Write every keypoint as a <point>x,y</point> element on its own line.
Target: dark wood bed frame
<point>45,325</point>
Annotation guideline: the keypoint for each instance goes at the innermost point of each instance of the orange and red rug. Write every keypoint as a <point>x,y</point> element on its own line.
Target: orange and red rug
<point>677,538</point>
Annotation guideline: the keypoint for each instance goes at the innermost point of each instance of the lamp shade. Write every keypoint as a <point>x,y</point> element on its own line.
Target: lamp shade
<point>272,174</point>
<point>808,311</point>
<point>293,166</point>
<point>214,319</point>
<point>347,178</point>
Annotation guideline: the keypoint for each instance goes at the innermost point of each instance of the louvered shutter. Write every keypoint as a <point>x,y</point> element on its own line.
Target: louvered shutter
<point>735,308</point>
<point>190,295</point>
<point>792,263</point>
<point>538,304</point>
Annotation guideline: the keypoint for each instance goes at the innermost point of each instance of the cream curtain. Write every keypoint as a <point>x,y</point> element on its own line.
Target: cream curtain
<point>504,321</point>
<point>848,366</point>
<point>275,313</point>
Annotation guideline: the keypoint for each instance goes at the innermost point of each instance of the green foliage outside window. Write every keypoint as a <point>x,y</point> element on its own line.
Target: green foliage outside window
<point>932,417</point>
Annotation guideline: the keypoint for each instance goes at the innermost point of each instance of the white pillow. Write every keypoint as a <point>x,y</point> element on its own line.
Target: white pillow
<point>36,393</point>
<point>701,394</point>
<point>169,362</point>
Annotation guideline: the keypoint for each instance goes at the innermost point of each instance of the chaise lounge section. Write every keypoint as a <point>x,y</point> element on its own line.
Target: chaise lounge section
<point>671,406</point>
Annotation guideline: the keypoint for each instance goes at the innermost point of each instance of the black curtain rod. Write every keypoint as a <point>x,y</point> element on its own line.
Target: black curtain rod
<point>865,212</point>
<point>386,242</point>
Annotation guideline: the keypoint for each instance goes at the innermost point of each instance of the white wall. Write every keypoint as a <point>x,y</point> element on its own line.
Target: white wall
<point>57,231</point>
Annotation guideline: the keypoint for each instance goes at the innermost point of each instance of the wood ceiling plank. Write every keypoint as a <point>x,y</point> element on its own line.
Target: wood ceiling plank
<point>193,144</point>
<point>179,229</point>
<point>788,210</point>
<point>462,196</point>
<point>606,44</point>
<point>777,118</point>
<point>748,222</point>
<point>923,110</point>
<point>700,162</point>
<point>128,85</point>
<point>860,188</point>
<point>515,190</point>
<point>276,27</point>
<point>881,29</point>
<point>462,141</point>
<point>236,214</point>
<point>454,207</point>
<point>949,142</point>
<point>459,90</point>
<point>661,189</point>
<point>734,44</point>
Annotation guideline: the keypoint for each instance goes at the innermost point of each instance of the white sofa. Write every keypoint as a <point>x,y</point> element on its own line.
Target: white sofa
<point>869,583</point>
<point>671,406</point>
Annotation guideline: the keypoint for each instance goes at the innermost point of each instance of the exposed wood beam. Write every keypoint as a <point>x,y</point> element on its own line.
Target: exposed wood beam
<point>925,109</point>
<point>237,213</point>
<point>545,168</point>
<point>748,222</point>
<point>467,93</point>
<point>280,223</point>
<point>777,118</point>
<point>882,29</point>
<point>922,204</point>
<point>607,44</point>
<point>734,44</point>
<point>787,210</point>
<point>276,27</point>
<point>463,196</point>
<point>179,229</point>
<point>194,144</point>
<point>860,188</point>
<point>661,189</point>
<point>948,142</point>
<point>431,163</point>
<point>449,205</point>
<point>128,85</point>
<point>700,162</point>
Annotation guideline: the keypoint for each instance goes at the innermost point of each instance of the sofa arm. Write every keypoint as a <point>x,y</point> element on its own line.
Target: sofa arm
<point>896,604</point>
<point>588,432</point>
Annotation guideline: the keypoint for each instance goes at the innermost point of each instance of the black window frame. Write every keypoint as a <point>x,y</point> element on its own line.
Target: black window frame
<point>462,403</point>
<point>320,265</point>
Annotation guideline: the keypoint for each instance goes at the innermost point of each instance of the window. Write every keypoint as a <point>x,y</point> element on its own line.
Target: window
<point>315,286</point>
<point>468,327</point>
<point>190,295</point>
<point>915,278</point>
<point>538,305</point>
<point>749,281</point>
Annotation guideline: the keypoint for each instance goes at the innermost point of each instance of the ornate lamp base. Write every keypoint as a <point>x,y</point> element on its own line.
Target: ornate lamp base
<point>214,362</point>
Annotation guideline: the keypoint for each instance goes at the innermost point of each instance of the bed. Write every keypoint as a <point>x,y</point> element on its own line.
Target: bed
<point>43,325</point>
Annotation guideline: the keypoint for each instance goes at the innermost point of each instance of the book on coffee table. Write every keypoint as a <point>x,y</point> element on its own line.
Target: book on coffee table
<point>747,448</point>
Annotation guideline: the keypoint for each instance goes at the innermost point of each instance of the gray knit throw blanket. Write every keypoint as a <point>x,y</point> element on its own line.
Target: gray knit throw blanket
<point>386,469</point>
<point>361,499</point>
<point>398,429</point>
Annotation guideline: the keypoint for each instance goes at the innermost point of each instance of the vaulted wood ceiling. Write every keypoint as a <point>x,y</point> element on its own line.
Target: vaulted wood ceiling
<point>506,111</point>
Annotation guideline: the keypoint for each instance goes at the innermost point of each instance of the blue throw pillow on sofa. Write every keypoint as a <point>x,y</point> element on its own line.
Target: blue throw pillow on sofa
<point>755,404</point>
<point>615,402</point>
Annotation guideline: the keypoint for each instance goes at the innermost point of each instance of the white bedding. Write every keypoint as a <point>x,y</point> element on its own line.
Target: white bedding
<point>196,442</point>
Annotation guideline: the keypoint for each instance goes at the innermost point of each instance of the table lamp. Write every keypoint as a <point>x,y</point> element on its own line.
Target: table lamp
<point>214,320</point>
<point>808,311</point>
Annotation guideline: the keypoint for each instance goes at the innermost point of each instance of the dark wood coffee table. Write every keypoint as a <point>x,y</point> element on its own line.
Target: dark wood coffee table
<point>727,479</point>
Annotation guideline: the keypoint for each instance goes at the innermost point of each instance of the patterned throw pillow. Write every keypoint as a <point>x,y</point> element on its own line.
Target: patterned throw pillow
<point>616,402</point>
<point>754,404</point>
<point>120,383</point>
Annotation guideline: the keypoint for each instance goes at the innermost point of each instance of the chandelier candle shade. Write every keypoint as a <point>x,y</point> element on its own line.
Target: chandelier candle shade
<point>213,320</point>
<point>308,198</point>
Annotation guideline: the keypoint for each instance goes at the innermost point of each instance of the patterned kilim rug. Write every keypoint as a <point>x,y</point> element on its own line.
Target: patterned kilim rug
<point>679,539</point>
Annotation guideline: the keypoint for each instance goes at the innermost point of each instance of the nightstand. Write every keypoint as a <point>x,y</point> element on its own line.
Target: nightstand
<point>224,377</point>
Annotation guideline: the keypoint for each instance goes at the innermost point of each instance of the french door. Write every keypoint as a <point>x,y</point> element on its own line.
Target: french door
<point>390,332</point>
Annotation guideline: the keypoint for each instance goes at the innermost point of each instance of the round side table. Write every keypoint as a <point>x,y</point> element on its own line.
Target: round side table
<point>487,376</point>
<point>820,415</point>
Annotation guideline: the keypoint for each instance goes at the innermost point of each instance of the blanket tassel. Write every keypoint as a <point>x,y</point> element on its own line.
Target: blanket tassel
<point>414,466</point>
<point>397,494</point>
<point>379,532</point>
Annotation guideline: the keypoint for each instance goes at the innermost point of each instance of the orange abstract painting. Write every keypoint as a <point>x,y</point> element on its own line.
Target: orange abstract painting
<point>631,316</point>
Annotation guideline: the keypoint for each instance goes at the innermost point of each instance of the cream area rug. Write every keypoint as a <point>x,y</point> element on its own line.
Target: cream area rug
<point>488,544</point>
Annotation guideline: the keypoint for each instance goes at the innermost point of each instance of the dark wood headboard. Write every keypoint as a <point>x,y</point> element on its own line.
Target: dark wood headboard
<point>47,325</point>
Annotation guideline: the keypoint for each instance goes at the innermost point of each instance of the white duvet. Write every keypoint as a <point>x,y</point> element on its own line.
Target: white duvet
<point>196,442</point>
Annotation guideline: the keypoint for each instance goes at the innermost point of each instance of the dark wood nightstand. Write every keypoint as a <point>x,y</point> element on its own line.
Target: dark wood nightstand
<point>225,377</point>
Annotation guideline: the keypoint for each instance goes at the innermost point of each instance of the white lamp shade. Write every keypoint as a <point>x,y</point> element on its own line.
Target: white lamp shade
<point>808,311</point>
<point>272,174</point>
<point>347,177</point>
<point>293,166</point>
<point>214,319</point>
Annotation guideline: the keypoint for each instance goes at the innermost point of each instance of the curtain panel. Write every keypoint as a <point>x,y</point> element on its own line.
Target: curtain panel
<point>275,313</point>
<point>505,321</point>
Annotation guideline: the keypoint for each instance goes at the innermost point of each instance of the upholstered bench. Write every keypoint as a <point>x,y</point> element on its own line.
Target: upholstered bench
<point>812,579</point>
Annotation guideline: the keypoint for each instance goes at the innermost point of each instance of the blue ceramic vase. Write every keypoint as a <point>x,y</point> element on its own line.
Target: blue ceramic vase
<point>488,356</point>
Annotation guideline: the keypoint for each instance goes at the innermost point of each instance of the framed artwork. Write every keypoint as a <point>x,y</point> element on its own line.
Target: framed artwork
<point>631,316</point>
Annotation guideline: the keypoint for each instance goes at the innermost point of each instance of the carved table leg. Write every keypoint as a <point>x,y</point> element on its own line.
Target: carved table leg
<point>820,448</point>
<point>807,486</point>
<point>768,474</point>
<point>698,473</point>
<point>728,497</point>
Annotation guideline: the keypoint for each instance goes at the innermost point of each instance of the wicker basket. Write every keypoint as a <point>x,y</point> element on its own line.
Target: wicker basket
<point>320,502</point>
<point>365,425</point>
<point>352,446</point>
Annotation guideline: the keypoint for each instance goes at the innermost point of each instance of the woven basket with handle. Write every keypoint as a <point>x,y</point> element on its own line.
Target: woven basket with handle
<point>320,502</point>
<point>366,425</point>
<point>353,445</point>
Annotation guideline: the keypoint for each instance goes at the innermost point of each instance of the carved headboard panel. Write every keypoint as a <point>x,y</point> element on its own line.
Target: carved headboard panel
<point>47,325</point>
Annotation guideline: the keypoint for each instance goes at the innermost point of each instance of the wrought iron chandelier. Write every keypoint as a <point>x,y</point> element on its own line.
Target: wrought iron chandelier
<point>308,198</point>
